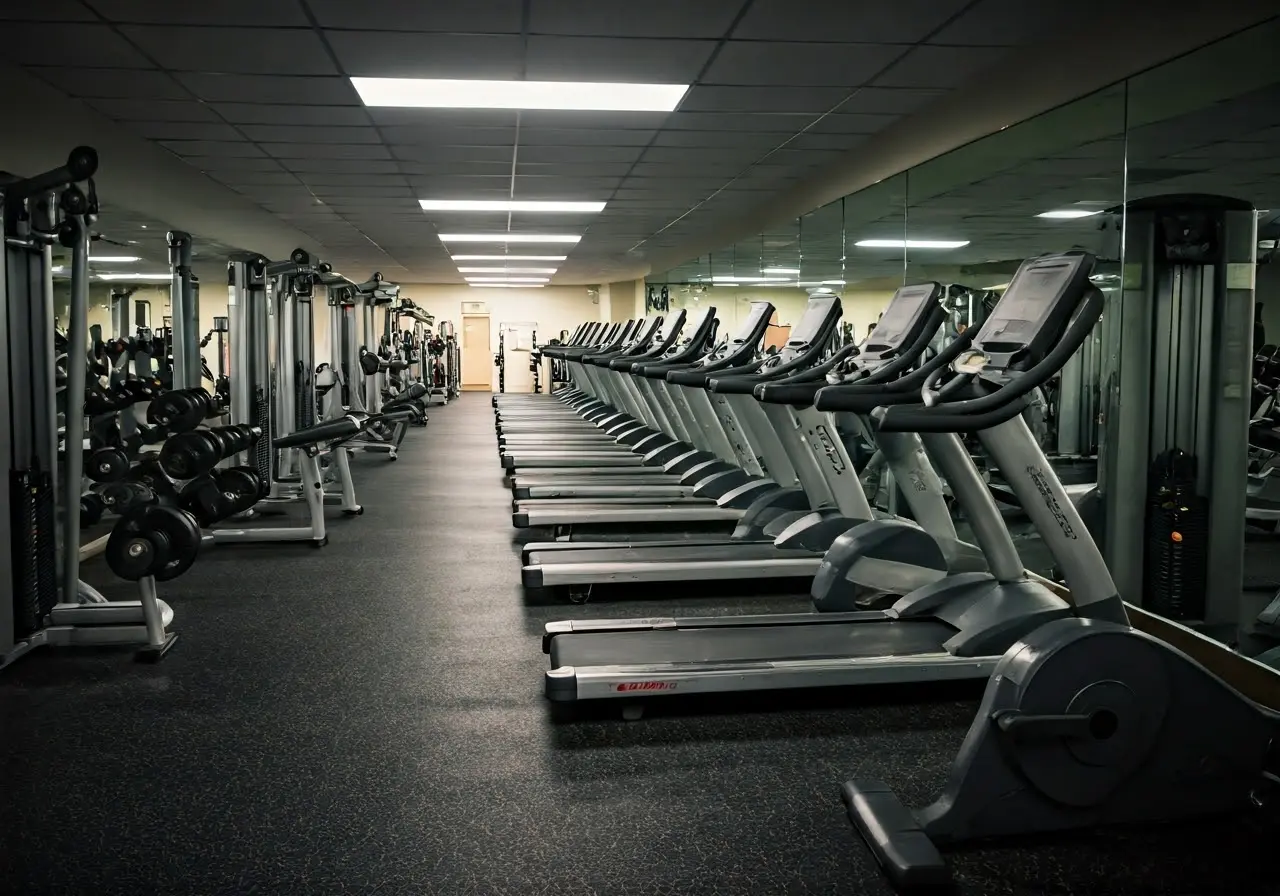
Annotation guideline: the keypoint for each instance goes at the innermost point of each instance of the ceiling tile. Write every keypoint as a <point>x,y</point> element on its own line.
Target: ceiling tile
<point>584,137</point>
<point>645,121</point>
<point>616,59</point>
<point>232,163</point>
<point>583,154</point>
<point>91,46</point>
<point>289,114</point>
<point>702,155</point>
<point>813,100</point>
<point>724,121</point>
<point>1002,23</point>
<point>277,51</point>
<point>122,83</point>
<point>184,130</point>
<point>763,141</point>
<point>455,118</point>
<point>903,21</point>
<point>343,166</point>
<point>246,13</point>
<point>705,172</point>
<point>571,187</point>
<point>851,124</point>
<point>473,16</point>
<point>415,135</point>
<point>279,133</point>
<point>462,185</point>
<point>930,66</point>
<point>241,149</point>
<point>440,154</point>
<point>575,169</point>
<point>891,100</point>
<point>47,11</point>
<point>319,179</point>
<point>248,180</point>
<point>653,18</point>
<point>742,62</point>
<point>323,149</point>
<point>153,110</point>
<point>446,169</point>
<point>408,54</point>
<point>390,191</point>
<point>318,91</point>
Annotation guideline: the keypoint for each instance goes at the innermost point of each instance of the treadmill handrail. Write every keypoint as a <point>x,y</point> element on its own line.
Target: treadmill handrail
<point>803,360</point>
<point>972,414</point>
<point>788,389</point>
<point>698,346</point>
<point>862,398</point>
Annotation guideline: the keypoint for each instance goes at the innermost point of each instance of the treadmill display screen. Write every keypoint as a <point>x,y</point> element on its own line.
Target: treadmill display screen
<point>904,311</point>
<point>812,321</point>
<point>1027,302</point>
<point>758,310</point>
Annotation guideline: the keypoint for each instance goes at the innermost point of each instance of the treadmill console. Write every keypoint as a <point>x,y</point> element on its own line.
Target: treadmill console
<point>816,318</point>
<point>1034,311</point>
<point>760,311</point>
<point>909,311</point>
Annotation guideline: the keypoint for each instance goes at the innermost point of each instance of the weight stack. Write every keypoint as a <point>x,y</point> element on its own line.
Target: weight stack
<point>261,451</point>
<point>35,560</point>
<point>1176,565</point>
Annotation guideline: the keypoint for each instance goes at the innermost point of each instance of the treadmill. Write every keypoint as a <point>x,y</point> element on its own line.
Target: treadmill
<point>726,498</point>
<point>663,417</point>
<point>1043,317</point>
<point>778,540</point>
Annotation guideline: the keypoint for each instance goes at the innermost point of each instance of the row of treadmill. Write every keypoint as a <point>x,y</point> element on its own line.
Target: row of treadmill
<point>680,454</point>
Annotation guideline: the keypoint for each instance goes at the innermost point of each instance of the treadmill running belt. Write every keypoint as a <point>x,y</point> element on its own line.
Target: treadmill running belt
<point>751,644</point>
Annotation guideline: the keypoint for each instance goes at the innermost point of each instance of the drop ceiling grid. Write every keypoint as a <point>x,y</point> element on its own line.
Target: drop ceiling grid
<point>256,96</point>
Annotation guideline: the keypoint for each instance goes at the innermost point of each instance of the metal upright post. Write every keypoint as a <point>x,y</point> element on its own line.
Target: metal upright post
<point>184,312</point>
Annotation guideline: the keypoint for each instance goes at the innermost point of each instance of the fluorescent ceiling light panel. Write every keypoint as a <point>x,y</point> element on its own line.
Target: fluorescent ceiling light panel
<point>833,283</point>
<point>911,244</point>
<point>779,270</point>
<point>1070,213</point>
<point>508,205</point>
<point>506,270</point>
<point>508,279</point>
<point>506,285</point>
<point>509,238</point>
<point>114,258</point>
<point>594,96</point>
<point>509,257</point>
<point>135,276</point>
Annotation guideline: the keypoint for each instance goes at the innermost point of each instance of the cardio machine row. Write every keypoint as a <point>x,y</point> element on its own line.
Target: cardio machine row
<point>1066,735</point>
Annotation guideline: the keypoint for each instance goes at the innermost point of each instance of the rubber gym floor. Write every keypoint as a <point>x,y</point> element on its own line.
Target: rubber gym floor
<point>368,719</point>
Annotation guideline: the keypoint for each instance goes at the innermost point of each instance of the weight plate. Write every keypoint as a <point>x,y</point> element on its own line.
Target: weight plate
<point>183,535</point>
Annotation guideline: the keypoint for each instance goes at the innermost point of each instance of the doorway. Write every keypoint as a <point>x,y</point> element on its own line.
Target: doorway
<point>477,354</point>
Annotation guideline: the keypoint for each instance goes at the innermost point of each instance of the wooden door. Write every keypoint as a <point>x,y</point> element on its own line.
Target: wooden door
<point>477,354</point>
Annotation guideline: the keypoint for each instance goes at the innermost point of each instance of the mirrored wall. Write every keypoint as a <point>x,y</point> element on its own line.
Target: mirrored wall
<point>1208,122</point>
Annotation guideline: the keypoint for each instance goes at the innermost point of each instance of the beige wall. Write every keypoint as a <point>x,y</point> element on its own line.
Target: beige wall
<point>552,308</point>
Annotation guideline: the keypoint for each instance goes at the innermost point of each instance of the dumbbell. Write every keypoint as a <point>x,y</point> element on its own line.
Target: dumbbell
<point>182,410</point>
<point>189,454</point>
<point>122,497</point>
<point>92,507</point>
<point>222,493</point>
<point>107,465</point>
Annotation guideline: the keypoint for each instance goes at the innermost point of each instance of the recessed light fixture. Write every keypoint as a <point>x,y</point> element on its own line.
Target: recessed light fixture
<point>833,283</point>
<point>507,270</point>
<point>508,205</point>
<point>135,276</point>
<point>595,96</point>
<point>911,244</point>
<point>509,257</point>
<point>114,258</point>
<point>779,270</point>
<point>508,279</point>
<point>508,238</point>
<point>57,269</point>
<point>1070,213</point>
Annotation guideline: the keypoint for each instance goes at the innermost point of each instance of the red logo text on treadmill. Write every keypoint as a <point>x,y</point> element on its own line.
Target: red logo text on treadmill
<point>646,686</point>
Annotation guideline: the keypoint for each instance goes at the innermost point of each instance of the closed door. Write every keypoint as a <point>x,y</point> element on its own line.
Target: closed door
<point>477,353</point>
